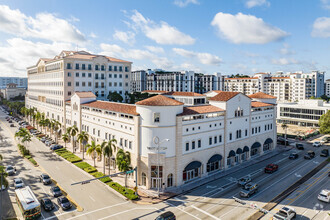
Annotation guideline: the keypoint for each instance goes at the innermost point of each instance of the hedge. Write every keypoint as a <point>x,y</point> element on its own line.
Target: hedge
<point>90,169</point>
<point>128,193</point>
<point>73,159</point>
<point>68,155</point>
<point>86,167</point>
<point>33,161</point>
<point>99,174</point>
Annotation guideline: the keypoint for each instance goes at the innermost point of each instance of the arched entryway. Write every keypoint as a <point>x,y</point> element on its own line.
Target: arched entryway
<point>255,149</point>
<point>143,179</point>
<point>238,156</point>
<point>214,163</point>
<point>245,154</point>
<point>170,180</point>
<point>192,170</point>
<point>268,145</point>
<point>231,158</point>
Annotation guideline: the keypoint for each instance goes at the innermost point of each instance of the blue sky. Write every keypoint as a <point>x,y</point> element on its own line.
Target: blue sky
<point>227,36</point>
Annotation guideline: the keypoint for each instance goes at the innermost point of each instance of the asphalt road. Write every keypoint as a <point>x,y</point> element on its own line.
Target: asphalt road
<point>211,201</point>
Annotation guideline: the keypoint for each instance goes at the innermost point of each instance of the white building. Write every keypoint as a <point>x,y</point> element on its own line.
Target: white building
<point>138,80</point>
<point>53,81</point>
<point>327,87</point>
<point>285,86</point>
<point>303,113</point>
<point>12,91</point>
<point>21,82</point>
<point>203,139</point>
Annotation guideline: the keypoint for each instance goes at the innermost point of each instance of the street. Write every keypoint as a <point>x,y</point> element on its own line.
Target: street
<point>210,201</point>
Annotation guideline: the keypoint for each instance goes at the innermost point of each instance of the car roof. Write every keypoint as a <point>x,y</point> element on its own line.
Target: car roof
<point>166,214</point>
<point>45,199</point>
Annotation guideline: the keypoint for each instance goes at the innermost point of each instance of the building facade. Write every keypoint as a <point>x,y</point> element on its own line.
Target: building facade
<point>286,87</point>
<point>303,113</point>
<point>327,87</point>
<point>201,139</point>
<point>21,82</point>
<point>12,91</point>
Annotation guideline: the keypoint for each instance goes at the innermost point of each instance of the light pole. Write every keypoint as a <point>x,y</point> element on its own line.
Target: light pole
<point>158,148</point>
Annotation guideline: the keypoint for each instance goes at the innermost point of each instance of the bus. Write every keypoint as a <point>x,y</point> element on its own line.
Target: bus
<point>28,203</point>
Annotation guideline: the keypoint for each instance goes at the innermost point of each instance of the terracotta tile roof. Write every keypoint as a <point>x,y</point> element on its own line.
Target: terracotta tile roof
<point>261,73</point>
<point>278,77</point>
<point>224,96</point>
<point>85,94</point>
<point>159,100</point>
<point>242,78</point>
<point>260,104</point>
<point>183,94</point>
<point>113,106</point>
<point>202,109</point>
<point>261,95</point>
<point>216,91</point>
<point>154,91</point>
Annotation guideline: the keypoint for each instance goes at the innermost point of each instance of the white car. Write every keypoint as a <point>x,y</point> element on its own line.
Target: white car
<point>286,213</point>
<point>18,183</point>
<point>317,144</point>
<point>324,195</point>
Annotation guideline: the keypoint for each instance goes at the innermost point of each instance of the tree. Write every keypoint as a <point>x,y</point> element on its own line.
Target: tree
<point>65,138</point>
<point>115,97</point>
<point>83,139</point>
<point>1,157</point>
<point>107,151</point>
<point>93,149</point>
<point>38,118</point>
<point>72,131</point>
<point>285,128</point>
<point>23,135</point>
<point>324,123</point>
<point>123,160</point>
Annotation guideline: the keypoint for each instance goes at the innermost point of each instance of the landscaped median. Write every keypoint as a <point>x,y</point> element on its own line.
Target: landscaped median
<point>26,153</point>
<point>77,161</point>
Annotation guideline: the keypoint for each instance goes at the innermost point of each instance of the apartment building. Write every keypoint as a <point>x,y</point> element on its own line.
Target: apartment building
<point>12,91</point>
<point>21,82</point>
<point>327,87</point>
<point>184,81</point>
<point>302,113</point>
<point>285,86</point>
<point>202,139</point>
<point>53,81</point>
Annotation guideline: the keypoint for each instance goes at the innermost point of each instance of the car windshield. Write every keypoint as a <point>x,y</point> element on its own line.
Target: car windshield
<point>65,200</point>
<point>10,168</point>
<point>18,181</point>
<point>46,177</point>
<point>281,212</point>
<point>48,202</point>
<point>316,142</point>
<point>56,189</point>
<point>269,166</point>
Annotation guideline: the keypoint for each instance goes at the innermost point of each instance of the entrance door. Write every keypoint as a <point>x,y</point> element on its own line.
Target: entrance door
<point>156,181</point>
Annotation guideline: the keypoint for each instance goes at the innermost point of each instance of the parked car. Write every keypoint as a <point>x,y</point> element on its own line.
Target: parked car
<point>293,156</point>
<point>64,203</point>
<point>286,213</point>
<point>47,204</point>
<point>324,153</point>
<point>55,191</point>
<point>10,170</point>
<point>309,155</point>
<point>324,195</point>
<point>45,179</point>
<point>49,142</point>
<point>18,183</point>
<point>317,144</point>
<point>56,147</point>
<point>166,216</point>
<point>300,146</point>
<point>270,168</point>
<point>244,180</point>
<point>325,139</point>
<point>282,141</point>
<point>12,125</point>
<point>249,189</point>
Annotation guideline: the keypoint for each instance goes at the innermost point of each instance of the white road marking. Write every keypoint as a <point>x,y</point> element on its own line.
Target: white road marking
<point>65,213</point>
<point>119,213</point>
<point>297,175</point>
<point>92,198</point>
<point>206,213</point>
<point>182,210</point>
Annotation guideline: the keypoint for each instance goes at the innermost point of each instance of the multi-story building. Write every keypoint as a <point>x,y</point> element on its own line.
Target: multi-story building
<point>185,81</point>
<point>302,113</point>
<point>53,81</point>
<point>21,82</point>
<point>286,87</point>
<point>327,87</point>
<point>12,91</point>
<point>197,140</point>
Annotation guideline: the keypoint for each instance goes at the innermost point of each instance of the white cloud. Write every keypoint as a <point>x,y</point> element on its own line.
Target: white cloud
<point>285,50</point>
<point>19,54</point>
<point>155,49</point>
<point>254,3</point>
<point>126,37</point>
<point>204,58</point>
<point>246,29</point>
<point>43,26</point>
<point>184,3</point>
<point>284,61</point>
<point>93,35</point>
<point>325,4</point>
<point>162,33</point>
<point>321,27</point>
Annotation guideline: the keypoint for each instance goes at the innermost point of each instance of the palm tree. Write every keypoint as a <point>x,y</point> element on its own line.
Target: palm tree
<point>123,160</point>
<point>38,118</point>
<point>23,135</point>
<point>107,151</point>
<point>1,157</point>
<point>285,127</point>
<point>83,139</point>
<point>65,138</point>
<point>93,149</point>
<point>72,131</point>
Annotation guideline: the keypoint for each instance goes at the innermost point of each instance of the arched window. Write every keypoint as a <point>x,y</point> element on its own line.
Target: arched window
<point>170,180</point>
<point>144,179</point>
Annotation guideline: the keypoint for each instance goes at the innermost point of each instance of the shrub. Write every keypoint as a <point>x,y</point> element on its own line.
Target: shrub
<point>90,169</point>
<point>33,161</point>
<point>99,174</point>
<point>128,193</point>
<point>73,159</point>
<point>82,165</point>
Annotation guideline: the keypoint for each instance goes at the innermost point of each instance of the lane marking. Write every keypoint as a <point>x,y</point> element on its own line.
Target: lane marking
<point>182,210</point>
<point>119,213</point>
<point>92,198</point>
<point>206,213</point>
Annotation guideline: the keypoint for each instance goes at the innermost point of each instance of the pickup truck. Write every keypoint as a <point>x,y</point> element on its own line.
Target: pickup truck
<point>270,168</point>
<point>286,213</point>
<point>244,180</point>
<point>249,189</point>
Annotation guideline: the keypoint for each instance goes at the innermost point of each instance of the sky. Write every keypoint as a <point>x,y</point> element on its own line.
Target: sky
<point>205,36</point>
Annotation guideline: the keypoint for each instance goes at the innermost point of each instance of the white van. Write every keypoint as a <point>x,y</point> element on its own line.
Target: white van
<point>324,195</point>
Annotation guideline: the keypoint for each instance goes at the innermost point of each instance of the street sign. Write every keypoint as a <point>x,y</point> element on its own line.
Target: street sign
<point>85,182</point>
<point>130,171</point>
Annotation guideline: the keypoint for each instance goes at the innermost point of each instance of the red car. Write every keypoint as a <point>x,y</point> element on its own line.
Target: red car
<point>270,168</point>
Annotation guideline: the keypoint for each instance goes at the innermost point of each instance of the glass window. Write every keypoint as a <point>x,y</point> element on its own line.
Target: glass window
<point>110,75</point>
<point>68,66</point>
<point>102,67</point>
<point>215,139</point>
<point>115,75</point>
<point>210,141</point>
<point>126,68</point>
<point>126,76</point>
<point>77,66</point>
<point>89,75</point>
<point>156,117</point>
<point>115,68</point>
<point>83,84</point>
<point>193,145</point>
<point>69,83</point>
<point>230,136</point>
<point>89,84</point>
<point>77,74</point>
<point>187,146</point>
<point>83,66</point>
<point>199,143</point>
<point>110,68</point>
<point>77,83</point>
<point>120,76</point>
<point>89,66</point>
<point>69,74</point>
<point>96,76</point>
<point>220,138</point>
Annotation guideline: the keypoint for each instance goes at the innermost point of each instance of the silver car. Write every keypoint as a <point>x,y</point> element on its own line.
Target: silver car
<point>18,183</point>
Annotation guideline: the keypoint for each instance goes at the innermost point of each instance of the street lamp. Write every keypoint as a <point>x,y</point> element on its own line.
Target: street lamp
<point>158,148</point>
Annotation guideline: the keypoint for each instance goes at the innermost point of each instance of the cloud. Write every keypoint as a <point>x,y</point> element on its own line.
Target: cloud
<point>254,3</point>
<point>43,26</point>
<point>20,53</point>
<point>93,35</point>
<point>184,3</point>
<point>162,33</point>
<point>155,49</point>
<point>126,37</point>
<point>246,29</point>
<point>204,58</point>
<point>325,4</point>
<point>286,50</point>
<point>321,27</point>
<point>284,61</point>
